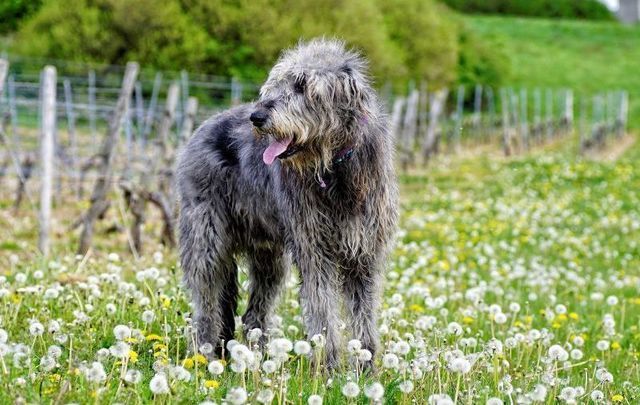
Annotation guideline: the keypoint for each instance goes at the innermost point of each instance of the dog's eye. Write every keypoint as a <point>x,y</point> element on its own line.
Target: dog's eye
<point>299,85</point>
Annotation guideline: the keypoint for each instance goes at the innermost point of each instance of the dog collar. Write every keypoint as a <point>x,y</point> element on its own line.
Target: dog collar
<point>342,156</point>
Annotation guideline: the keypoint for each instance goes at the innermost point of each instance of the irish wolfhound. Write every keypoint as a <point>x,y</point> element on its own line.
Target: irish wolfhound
<point>304,173</point>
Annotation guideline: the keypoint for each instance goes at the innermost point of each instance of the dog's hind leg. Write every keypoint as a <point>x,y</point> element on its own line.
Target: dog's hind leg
<point>268,268</point>
<point>362,300</point>
<point>210,273</point>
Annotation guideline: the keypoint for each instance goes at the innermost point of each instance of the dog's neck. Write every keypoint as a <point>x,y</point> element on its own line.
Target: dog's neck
<point>339,158</point>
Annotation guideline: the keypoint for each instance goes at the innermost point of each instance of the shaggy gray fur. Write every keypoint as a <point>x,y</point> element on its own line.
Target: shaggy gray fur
<point>332,211</point>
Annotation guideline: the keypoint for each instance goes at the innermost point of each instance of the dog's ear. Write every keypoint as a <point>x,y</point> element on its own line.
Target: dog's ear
<point>355,92</point>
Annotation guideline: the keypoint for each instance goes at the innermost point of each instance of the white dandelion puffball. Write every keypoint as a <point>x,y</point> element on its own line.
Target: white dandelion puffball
<point>159,385</point>
<point>133,376</point>
<point>302,347</point>
<point>406,386</point>
<point>314,399</point>
<point>236,396</point>
<point>36,329</point>
<point>350,390</point>
<point>122,332</point>
<point>265,396</point>
<point>148,316</point>
<point>215,367</point>
<point>374,391</point>
<point>494,401</point>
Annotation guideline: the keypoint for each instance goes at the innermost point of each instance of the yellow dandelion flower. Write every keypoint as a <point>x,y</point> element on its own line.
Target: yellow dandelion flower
<point>556,325</point>
<point>574,316</point>
<point>159,346</point>
<point>54,377</point>
<point>211,384</point>
<point>200,359</point>
<point>615,345</point>
<point>562,317</point>
<point>131,340</point>
<point>617,398</point>
<point>528,319</point>
<point>133,356</point>
<point>153,336</point>
<point>416,308</point>
<point>467,320</point>
<point>166,302</point>
<point>188,363</point>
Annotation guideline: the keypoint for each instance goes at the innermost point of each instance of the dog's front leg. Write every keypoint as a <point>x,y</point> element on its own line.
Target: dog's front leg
<point>320,303</point>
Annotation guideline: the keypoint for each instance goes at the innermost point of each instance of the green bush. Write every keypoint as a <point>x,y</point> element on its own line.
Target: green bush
<point>12,12</point>
<point>582,9</point>
<point>417,40</point>
<point>481,61</point>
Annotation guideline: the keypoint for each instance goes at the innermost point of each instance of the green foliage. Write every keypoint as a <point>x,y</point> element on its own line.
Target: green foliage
<point>403,39</point>
<point>114,31</point>
<point>582,9</point>
<point>13,11</point>
<point>425,34</point>
<point>481,61</point>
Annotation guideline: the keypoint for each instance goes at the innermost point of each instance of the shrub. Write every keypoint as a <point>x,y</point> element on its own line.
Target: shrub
<point>582,9</point>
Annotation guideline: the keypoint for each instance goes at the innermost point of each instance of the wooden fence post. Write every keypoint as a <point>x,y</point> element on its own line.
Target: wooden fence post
<point>46,155</point>
<point>438,103</point>
<point>4,69</point>
<point>151,110</point>
<point>524,119</point>
<point>189,119</point>
<point>506,127</point>
<point>168,118</point>
<point>99,201</point>
<point>92,105</point>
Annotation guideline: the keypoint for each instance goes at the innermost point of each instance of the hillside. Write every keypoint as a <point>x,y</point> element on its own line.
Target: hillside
<point>585,55</point>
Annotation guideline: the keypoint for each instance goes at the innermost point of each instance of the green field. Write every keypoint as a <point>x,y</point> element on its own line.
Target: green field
<point>584,55</point>
<point>512,279</point>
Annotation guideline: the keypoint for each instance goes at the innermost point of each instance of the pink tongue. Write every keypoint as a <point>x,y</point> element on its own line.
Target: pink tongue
<point>275,149</point>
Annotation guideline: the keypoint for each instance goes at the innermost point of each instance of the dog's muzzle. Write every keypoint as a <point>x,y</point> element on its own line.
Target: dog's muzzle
<point>259,118</point>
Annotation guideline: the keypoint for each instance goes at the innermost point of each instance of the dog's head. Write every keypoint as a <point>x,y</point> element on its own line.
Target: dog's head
<point>312,103</point>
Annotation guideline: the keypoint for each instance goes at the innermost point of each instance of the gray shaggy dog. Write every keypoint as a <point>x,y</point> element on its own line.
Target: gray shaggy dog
<point>305,173</point>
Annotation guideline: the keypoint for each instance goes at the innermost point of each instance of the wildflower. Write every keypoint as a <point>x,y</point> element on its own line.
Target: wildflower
<point>159,384</point>
<point>354,345</point>
<point>4,336</point>
<point>47,363</point>
<point>148,316</point>
<point>460,365</point>
<point>180,373</point>
<point>121,332</point>
<point>612,300</point>
<point>350,390</point>
<point>265,396</point>
<point>557,353</point>
<point>211,384</point>
<point>96,373</point>
<point>390,360</point>
<point>602,345</point>
<point>36,328</point>
<point>494,401</point>
<point>241,353</point>
<point>617,398</point>
<point>597,396</point>
<point>440,399</point>
<point>302,347</point>
<point>374,391</point>
<point>236,396</point>
<point>314,399</point>
<point>254,335</point>
<point>568,394</point>
<point>454,328</point>
<point>406,386</point>
<point>120,350</point>
<point>216,367</point>
<point>269,366</point>
<point>133,376</point>
<point>364,355</point>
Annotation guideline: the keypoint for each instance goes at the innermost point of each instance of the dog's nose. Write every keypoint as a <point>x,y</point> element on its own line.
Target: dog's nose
<point>258,118</point>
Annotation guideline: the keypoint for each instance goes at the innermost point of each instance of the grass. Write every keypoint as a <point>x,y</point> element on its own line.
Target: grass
<point>511,279</point>
<point>585,55</point>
